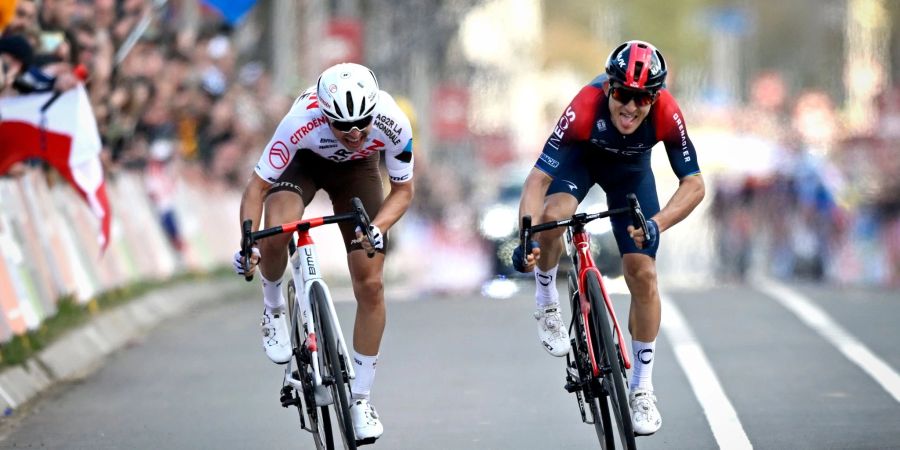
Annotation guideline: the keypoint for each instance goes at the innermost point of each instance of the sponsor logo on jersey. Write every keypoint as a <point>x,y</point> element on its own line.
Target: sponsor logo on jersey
<point>306,129</point>
<point>683,134</point>
<point>571,185</point>
<point>390,128</point>
<point>403,178</point>
<point>601,125</point>
<point>343,154</point>
<point>550,161</point>
<point>407,154</point>
<point>279,155</point>
<point>567,118</point>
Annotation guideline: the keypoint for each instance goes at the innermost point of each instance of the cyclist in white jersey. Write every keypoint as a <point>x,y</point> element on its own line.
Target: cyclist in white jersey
<point>332,139</point>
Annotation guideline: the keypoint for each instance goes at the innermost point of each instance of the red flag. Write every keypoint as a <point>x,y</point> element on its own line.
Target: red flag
<point>69,141</point>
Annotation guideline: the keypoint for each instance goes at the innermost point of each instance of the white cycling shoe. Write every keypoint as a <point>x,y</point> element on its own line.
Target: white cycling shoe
<point>552,330</point>
<point>644,416</point>
<point>366,424</point>
<point>276,339</point>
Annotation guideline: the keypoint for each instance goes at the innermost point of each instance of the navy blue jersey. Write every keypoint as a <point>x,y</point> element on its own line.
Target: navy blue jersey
<point>585,148</point>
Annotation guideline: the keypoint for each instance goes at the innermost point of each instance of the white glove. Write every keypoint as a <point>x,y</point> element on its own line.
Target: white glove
<point>239,261</point>
<point>377,239</point>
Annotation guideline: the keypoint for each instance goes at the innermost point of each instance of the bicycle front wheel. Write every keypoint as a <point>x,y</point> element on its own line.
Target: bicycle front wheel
<point>594,397</point>
<point>334,367</point>
<point>605,350</point>
<point>319,420</point>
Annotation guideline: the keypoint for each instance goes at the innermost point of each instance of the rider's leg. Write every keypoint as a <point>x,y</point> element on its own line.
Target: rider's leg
<point>644,315</point>
<point>556,206</point>
<point>368,287</point>
<point>643,323</point>
<point>281,207</point>
<point>551,328</point>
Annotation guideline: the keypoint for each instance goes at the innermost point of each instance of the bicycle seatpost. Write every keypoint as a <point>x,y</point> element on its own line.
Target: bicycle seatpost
<point>246,246</point>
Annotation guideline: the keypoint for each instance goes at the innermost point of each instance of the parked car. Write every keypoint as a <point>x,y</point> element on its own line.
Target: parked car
<point>498,224</point>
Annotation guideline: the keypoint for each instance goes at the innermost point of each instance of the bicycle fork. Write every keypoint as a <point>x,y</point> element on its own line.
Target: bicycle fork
<point>304,265</point>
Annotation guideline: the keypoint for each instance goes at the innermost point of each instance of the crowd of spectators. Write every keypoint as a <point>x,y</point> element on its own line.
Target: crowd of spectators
<point>826,204</point>
<point>180,103</point>
<point>184,85</point>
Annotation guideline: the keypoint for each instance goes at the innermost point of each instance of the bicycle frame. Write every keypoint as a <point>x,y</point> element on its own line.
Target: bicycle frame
<point>304,264</point>
<point>579,248</point>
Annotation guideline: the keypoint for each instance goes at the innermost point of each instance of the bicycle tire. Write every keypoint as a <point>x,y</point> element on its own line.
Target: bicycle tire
<point>599,413</point>
<point>329,346</point>
<point>615,376</point>
<point>304,373</point>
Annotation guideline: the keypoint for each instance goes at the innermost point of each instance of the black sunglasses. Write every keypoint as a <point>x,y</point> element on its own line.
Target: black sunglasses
<point>623,96</point>
<point>347,127</point>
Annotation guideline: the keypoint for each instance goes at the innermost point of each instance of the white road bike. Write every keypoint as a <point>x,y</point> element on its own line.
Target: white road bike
<point>320,369</point>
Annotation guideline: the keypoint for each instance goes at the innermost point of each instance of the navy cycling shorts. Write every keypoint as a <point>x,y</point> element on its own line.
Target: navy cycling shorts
<point>617,176</point>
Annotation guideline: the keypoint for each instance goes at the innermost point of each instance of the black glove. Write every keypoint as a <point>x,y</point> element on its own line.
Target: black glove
<point>518,255</point>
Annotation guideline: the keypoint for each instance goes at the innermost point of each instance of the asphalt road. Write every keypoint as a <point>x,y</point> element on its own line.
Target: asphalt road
<point>468,373</point>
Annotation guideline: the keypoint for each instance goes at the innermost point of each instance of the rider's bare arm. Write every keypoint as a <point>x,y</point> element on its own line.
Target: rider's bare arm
<point>395,205</point>
<point>532,202</point>
<point>691,190</point>
<point>252,200</point>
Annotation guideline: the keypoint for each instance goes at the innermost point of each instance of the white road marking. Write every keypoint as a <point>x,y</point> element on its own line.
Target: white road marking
<point>816,318</point>
<point>722,418</point>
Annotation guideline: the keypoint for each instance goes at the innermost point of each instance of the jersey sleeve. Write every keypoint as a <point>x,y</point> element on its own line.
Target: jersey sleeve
<point>672,131</point>
<point>280,150</point>
<point>399,158</point>
<point>574,125</point>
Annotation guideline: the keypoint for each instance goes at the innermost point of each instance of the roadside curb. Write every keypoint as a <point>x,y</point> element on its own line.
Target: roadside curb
<point>81,351</point>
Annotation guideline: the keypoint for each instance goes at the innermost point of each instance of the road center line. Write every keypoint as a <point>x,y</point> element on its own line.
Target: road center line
<point>816,318</point>
<point>722,418</point>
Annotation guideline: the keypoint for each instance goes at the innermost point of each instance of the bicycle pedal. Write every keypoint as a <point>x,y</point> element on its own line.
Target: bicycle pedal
<point>322,395</point>
<point>288,398</point>
<point>366,441</point>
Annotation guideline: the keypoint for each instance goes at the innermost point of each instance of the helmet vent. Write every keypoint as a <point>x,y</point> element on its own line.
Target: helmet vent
<point>337,109</point>
<point>349,103</point>
<point>362,107</point>
<point>638,69</point>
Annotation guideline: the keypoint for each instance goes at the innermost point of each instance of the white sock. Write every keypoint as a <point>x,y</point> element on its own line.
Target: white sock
<point>546,293</point>
<point>364,366</point>
<point>273,297</point>
<point>644,354</point>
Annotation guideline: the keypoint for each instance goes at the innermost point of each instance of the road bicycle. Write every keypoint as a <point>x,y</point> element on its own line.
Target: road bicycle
<point>321,369</point>
<point>595,367</point>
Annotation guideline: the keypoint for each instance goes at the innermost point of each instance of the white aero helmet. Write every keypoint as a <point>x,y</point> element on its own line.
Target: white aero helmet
<point>347,92</point>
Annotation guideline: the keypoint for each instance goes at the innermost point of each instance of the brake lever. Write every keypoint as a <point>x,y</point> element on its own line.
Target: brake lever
<point>525,236</point>
<point>637,216</point>
<point>246,246</point>
<point>362,219</point>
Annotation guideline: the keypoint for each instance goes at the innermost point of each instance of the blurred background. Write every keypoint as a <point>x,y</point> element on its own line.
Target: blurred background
<point>794,108</point>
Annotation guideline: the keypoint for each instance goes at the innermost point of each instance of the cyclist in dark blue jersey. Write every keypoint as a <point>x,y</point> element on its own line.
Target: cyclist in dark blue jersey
<point>604,137</point>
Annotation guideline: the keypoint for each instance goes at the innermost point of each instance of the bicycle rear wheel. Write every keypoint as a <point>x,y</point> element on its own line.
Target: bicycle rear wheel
<point>319,419</point>
<point>333,368</point>
<point>608,357</point>
<point>593,395</point>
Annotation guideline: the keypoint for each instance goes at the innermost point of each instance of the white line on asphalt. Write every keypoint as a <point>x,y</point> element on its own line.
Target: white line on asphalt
<point>816,318</point>
<point>9,401</point>
<point>720,414</point>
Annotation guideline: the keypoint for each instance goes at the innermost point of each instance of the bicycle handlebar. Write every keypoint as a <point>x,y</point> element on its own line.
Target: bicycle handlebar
<point>634,208</point>
<point>248,237</point>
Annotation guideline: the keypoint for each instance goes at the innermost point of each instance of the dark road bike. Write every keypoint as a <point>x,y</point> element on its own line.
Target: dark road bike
<point>318,377</point>
<point>595,367</point>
